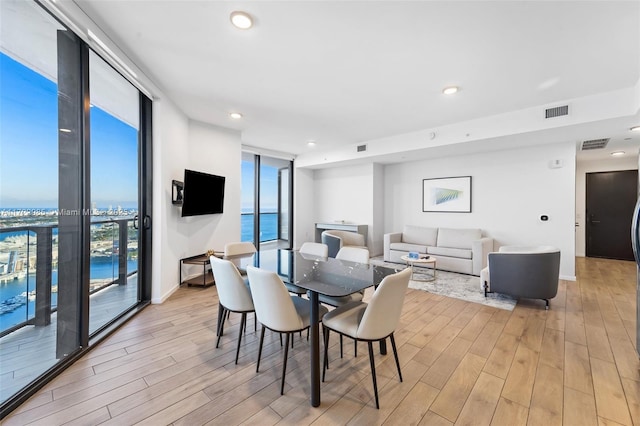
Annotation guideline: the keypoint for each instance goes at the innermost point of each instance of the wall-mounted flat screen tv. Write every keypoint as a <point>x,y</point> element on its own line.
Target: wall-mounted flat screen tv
<point>203,193</point>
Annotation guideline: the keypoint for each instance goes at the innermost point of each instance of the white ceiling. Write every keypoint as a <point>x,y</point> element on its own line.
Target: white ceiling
<point>347,72</point>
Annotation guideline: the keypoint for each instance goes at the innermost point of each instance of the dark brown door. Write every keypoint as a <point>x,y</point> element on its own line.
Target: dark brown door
<point>611,198</point>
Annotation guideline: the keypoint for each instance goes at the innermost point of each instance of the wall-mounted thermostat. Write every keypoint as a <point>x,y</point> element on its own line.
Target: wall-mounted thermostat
<point>544,218</point>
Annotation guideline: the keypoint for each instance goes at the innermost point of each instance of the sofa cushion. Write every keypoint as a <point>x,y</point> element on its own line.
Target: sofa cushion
<point>408,247</point>
<point>458,238</point>
<point>451,252</point>
<point>420,235</point>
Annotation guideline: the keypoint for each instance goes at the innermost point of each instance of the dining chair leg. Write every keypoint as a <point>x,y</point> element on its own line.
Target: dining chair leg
<point>220,313</point>
<point>284,362</point>
<point>243,321</point>
<point>340,345</point>
<point>221,325</point>
<point>395,354</point>
<point>325,365</point>
<point>373,373</point>
<point>355,348</point>
<point>255,321</point>
<point>260,348</point>
<point>280,334</point>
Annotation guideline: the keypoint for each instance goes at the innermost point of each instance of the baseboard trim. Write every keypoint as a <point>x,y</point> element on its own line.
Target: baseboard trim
<point>159,300</point>
<point>568,277</point>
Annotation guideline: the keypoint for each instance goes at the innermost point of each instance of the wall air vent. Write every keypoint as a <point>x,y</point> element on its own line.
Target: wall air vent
<point>594,144</point>
<point>556,111</point>
<point>361,148</point>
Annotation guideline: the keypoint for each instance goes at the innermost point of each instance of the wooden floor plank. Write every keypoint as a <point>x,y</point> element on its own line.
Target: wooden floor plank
<point>574,364</point>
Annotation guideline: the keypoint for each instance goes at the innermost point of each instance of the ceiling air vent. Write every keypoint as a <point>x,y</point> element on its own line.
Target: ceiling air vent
<point>361,148</point>
<point>556,111</point>
<point>594,144</point>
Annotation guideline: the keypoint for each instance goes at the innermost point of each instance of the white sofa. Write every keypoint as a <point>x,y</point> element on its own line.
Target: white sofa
<point>456,250</point>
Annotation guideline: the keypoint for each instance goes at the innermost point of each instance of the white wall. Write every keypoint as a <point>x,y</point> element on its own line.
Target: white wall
<point>303,206</point>
<point>178,144</point>
<point>376,233</point>
<point>510,190</point>
<point>345,193</point>
<point>170,131</point>
<point>629,162</point>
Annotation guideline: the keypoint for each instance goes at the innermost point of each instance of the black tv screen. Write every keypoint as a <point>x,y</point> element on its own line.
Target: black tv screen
<point>203,193</point>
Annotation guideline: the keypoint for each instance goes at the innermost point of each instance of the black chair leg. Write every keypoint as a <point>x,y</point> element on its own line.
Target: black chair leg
<point>221,318</point>
<point>546,306</point>
<point>355,348</point>
<point>325,366</point>
<point>255,321</point>
<point>220,313</point>
<point>341,346</point>
<point>395,354</point>
<point>486,287</point>
<point>243,321</point>
<point>373,374</point>
<point>284,362</point>
<point>260,348</point>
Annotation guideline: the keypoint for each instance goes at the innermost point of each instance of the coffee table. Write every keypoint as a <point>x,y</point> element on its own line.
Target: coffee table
<point>421,262</point>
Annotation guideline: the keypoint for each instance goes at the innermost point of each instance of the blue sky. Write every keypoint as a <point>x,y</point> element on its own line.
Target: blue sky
<point>268,187</point>
<point>29,145</point>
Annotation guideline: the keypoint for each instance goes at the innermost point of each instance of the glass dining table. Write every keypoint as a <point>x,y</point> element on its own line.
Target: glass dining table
<point>319,275</point>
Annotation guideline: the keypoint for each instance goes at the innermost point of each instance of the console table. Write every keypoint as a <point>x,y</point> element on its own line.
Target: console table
<point>206,278</point>
<point>360,229</point>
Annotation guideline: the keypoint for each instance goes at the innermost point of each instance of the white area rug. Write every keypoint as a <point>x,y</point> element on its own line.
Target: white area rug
<point>458,286</point>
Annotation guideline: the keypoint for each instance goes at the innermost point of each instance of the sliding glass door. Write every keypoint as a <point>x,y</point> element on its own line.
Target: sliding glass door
<point>114,118</point>
<point>266,189</point>
<point>74,179</point>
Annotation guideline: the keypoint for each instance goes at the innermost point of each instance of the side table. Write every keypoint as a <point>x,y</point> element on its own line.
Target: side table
<point>421,262</point>
<point>206,278</point>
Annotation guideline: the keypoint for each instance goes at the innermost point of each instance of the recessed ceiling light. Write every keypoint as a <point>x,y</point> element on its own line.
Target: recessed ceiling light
<point>311,143</point>
<point>635,129</point>
<point>617,153</point>
<point>241,20</point>
<point>450,90</point>
<point>235,115</point>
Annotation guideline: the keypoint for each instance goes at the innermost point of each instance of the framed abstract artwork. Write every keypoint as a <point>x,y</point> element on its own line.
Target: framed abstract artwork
<point>452,194</point>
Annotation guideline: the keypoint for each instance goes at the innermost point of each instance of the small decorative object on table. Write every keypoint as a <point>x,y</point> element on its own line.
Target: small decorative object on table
<point>413,255</point>
<point>211,252</point>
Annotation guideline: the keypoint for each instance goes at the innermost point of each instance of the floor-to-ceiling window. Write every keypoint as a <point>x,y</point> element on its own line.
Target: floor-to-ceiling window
<point>74,178</point>
<point>114,192</point>
<point>266,188</point>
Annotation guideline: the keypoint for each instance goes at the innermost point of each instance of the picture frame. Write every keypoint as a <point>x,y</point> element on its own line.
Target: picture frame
<point>447,195</point>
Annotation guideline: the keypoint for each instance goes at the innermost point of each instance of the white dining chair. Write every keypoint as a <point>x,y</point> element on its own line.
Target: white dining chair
<point>370,322</point>
<point>233,295</point>
<point>353,254</point>
<point>277,310</point>
<point>237,251</point>
<point>315,249</point>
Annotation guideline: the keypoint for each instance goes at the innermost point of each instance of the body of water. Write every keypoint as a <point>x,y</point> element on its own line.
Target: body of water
<point>268,226</point>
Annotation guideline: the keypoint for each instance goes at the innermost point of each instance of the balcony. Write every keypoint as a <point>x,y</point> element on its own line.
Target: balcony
<point>29,287</point>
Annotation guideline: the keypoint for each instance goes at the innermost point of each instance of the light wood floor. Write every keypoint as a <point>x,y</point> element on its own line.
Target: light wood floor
<point>29,351</point>
<point>462,363</point>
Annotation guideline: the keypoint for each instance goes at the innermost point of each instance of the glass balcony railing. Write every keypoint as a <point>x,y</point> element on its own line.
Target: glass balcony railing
<point>29,267</point>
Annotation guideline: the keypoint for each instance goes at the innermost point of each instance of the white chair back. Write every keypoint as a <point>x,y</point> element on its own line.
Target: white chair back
<point>382,314</point>
<point>273,304</point>
<point>316,249</point>
<point>232,290</point>
<point>353,254</point>
<point>237,249</point>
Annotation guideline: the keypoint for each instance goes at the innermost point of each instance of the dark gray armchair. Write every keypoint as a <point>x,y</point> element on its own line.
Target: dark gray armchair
<point>529,272</point>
